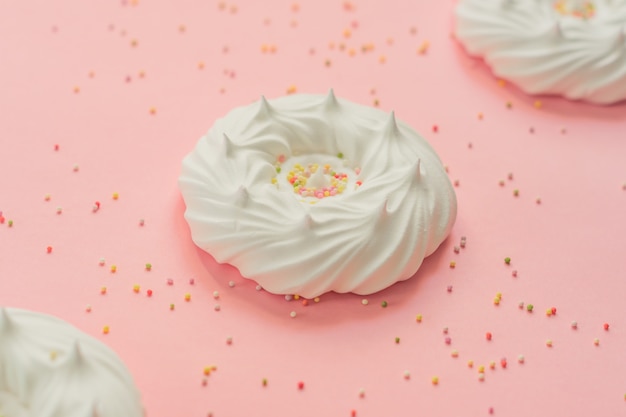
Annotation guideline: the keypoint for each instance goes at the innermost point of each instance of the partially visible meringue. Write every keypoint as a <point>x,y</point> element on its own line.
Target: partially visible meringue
<point>572,48</point>
<point>49,368</point>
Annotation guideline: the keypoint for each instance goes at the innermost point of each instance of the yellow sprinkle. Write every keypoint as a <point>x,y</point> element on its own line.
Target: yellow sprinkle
<point>452,264</point>
<point>347,33</point>
<point>113,268</point>
<point>187,297</point>
<point>53,355</point>
<point>470,364</point>
<point>296,297</point>
<point>435,380</point>
<point>501,83</point>
<point>116,196</point>
<point>136,288</point>
<point>418,318</point>
<point>538,104</point>
<point>105,330</point>
<point>481,369</point>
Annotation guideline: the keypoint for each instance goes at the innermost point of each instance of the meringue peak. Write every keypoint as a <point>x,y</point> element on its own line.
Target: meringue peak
<point>391,129</point>
<point>242,195</point>
<point>330,101</point>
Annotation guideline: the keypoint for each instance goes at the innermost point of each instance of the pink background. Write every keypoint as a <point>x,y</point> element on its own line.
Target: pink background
<point>85,76</point>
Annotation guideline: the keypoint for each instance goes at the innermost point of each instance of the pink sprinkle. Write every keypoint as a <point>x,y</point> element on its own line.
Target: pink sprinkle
<point>448,340</point>
<point>170,281</point>
<point>192,281</point>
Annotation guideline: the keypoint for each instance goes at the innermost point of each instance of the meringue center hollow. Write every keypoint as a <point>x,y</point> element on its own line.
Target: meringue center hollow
<point>313,177</point>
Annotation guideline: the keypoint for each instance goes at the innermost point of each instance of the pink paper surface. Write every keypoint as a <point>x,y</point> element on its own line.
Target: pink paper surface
<point>125,89</point>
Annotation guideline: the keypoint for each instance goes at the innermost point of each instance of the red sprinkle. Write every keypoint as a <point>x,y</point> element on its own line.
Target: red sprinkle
<point>149,292</point>
<point>49,249</point>
<point>606,326</point>
<point>488,335</point>
<point>300,385</point>
<point>553,310</point>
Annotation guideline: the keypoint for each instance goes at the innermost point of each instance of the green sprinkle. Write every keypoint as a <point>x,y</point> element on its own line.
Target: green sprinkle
<point>10,223</point>
<point>264,382</point>
<point>507,260</point>
<point>148,266</point>
<point>384,304</point>
<point>278,170</point>
<point>529,307</point>
<point>340,155</point>
<point>397,340</point>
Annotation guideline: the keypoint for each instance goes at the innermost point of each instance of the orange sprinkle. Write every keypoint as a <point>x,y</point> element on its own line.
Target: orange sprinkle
<point>423,48</point>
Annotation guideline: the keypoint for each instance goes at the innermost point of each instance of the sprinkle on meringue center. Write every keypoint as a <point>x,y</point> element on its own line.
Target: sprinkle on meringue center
<point>315,177</point>
<point>577,8</point>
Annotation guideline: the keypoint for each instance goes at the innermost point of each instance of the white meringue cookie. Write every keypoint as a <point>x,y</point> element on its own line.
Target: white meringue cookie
<point>397,207</point>
<point>572,48</point>
<point>49,368</point>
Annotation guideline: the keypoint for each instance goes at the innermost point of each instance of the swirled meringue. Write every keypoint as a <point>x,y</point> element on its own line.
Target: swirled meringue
<point>393,206</point>
<point>48,368</point>
<point>572,48</point>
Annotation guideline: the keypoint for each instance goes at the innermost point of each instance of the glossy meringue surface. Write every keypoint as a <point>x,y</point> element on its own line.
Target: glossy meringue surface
<point>397,206</point>
<point>49,368</point>
<point>572,48</point>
